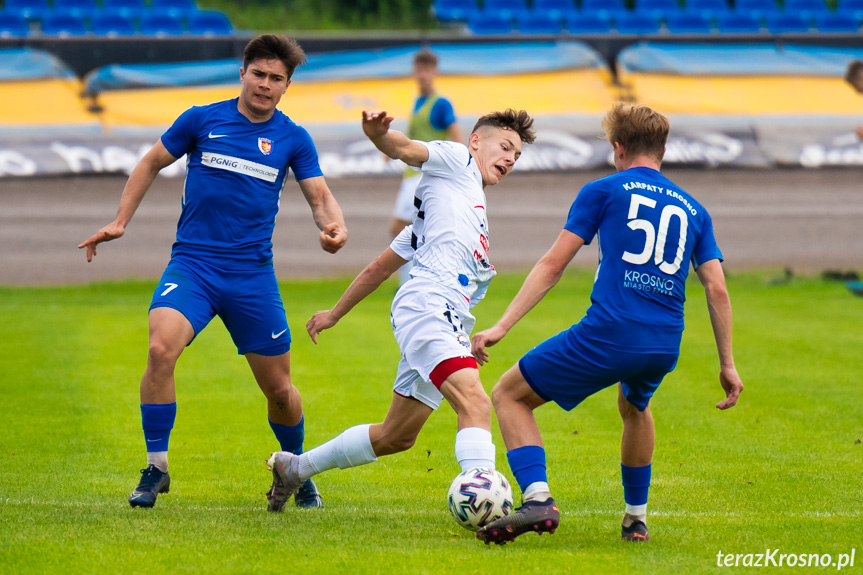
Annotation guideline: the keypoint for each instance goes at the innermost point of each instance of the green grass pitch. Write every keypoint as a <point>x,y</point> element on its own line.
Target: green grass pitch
<point>783,469</point>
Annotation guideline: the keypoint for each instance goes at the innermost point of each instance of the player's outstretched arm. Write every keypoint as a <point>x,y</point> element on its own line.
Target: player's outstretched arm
<point>544,276</point>
<point>719,304</point>
<point>137,185</point>
<point>326,213</point>
<point>394,144</point>
<point>365,283</point>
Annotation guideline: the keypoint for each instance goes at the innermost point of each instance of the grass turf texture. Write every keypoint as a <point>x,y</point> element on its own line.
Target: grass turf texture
<point>782,470</point>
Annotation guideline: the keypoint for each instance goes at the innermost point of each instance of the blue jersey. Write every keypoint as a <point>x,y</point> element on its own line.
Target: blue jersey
<point>235,172</point>
<point>442,114</point>
<point>649,230</point>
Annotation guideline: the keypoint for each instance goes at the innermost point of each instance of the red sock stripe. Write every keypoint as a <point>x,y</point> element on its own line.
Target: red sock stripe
<point>448,367</point>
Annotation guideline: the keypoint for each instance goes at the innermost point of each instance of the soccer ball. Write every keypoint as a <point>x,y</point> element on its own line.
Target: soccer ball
<point>478,496</point>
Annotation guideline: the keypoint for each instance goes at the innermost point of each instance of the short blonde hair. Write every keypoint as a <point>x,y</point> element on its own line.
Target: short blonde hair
<point>639,129</point>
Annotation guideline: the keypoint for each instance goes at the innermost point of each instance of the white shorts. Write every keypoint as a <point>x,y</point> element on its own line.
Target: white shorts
<point>404,208</point>
<point>430,325</point>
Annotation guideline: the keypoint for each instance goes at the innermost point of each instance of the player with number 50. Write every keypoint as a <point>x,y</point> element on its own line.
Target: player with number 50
<point>648,230</point>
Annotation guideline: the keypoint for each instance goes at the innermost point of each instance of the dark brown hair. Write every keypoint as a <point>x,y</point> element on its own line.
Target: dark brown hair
<point>854,70</point>
<point>639,129</point>
<point>274,47</point>
<point>519,122</point>
<point>425,58</point>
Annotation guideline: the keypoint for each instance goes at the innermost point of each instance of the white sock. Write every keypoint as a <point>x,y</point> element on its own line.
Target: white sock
<point>537,491</point>
<point>637,512</point>
<point>350,449</point>
<point>159,459</point>
<point>473,448</point>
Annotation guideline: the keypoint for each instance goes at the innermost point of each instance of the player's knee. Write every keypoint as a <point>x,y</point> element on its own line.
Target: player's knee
<point>283,397</point>
<point>160,355</point>
<point>500,396</point>
<point>394,443</point>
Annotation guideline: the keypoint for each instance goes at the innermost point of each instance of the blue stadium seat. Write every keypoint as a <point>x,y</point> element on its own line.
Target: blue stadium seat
<point>13,26</point>
<point>587,24</point>
<point>176,8</point>
<point>658,9</point>
<point>63,24</point>
<point>759,9</point>
<point>489,24</point>
<point>605,9</point>
<point>81,8</point>
<point>538,24</point>
<point>806,8</point>
<point>557,9</point>
<point>454,10</point>
<point>710,9</point>
<point>113,24</point>
<point>160,24</point>
<point>840,22</point>
<point>787,24</point>
<point>135,9</point>
<point>506,9</point>
<point>636,24</point>
<point>737,23</point>
<point>29,9</point>
<point>852,7</point>
<point>688,23</point>
<point>210,23</point>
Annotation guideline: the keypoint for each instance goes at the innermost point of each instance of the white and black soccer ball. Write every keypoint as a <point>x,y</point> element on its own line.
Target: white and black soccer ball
<point>478,496</point>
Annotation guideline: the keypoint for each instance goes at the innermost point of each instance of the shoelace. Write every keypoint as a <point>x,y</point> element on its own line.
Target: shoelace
<point>149,479</point>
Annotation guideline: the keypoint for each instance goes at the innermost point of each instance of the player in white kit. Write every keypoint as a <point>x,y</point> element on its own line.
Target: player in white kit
<point>448,244</point>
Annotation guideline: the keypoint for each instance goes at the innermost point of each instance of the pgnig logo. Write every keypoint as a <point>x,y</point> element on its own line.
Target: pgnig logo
<point>648,282</point>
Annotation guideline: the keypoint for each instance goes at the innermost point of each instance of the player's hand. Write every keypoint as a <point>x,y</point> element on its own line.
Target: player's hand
<point>110,232</point>
<point>320,321</point>
<point>732,385</point>
<point>333,237</point>
<point>376,123</point>
<point>860,133</point>
<point>484,339</point>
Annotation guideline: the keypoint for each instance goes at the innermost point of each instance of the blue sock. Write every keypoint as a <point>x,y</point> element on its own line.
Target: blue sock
<point>290,438</point>
<point>636,481</point>
<point>527,464</point>
<point>158,420</point>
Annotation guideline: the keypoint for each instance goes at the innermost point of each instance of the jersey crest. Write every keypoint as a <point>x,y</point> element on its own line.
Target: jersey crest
<point>265,145</point>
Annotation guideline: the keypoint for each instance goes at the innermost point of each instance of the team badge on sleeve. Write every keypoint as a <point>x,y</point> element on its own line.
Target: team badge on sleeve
<point>265,145</point>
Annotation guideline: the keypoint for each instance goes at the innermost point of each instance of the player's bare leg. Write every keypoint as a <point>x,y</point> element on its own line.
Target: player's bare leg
<point>170,332</point>
<point>514,402</point>
<point>285,414</point>
<point>273,374</point>
<point>401,426</point>
<point>636,454</point>
<point>465,394</point>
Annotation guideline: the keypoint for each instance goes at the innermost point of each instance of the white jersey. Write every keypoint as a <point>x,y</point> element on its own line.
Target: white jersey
<point>448,239</point>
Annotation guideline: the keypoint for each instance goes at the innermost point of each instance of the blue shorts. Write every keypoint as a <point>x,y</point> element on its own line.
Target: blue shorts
<point>568,368</point>
<point>248,301</point>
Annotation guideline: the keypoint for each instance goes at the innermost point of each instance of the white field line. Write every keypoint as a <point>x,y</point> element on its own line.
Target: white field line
<point>391,511</point>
